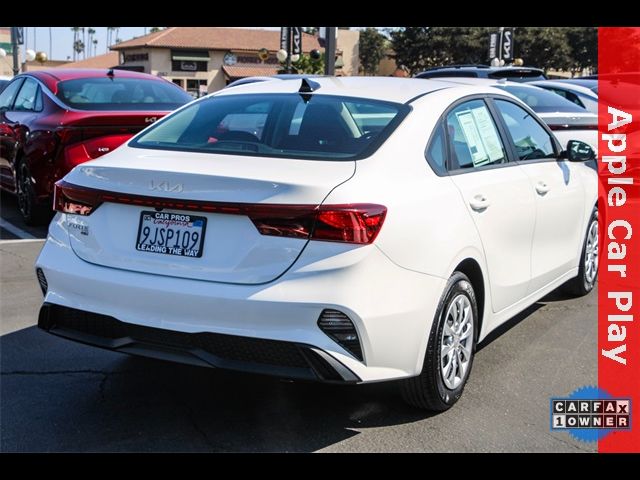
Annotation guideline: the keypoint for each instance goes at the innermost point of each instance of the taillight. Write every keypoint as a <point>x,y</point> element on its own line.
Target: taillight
<point>352,223</point>
<point>77,200</point>
<point>81,152</point>
<point>357,223</point>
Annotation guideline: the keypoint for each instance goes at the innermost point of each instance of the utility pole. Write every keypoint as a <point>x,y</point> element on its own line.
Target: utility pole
<point>330,51</point>
<point>14,48</point>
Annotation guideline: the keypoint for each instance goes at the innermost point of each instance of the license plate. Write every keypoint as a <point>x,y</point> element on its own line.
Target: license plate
<point>178,234</point>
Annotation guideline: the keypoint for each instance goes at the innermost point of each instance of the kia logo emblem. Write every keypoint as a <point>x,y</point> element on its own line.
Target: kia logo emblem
<point>165,186</point>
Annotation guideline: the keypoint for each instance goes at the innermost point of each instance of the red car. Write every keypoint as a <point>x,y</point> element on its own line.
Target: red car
<point>53,120</point>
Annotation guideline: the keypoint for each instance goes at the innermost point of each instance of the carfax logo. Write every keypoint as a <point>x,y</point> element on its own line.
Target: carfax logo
<point>589,414</point>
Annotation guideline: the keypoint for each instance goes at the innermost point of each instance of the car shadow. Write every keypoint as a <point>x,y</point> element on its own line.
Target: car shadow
<point>58,395</point>
<point>78,398</point>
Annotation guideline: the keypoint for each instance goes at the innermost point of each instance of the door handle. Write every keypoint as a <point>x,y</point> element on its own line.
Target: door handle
<point>542,188</point>
<point>479,203</point>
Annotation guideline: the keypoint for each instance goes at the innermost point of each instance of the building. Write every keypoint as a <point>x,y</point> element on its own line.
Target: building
<point>6,63</point>
<point>106,60</point>
<point>205,59</point>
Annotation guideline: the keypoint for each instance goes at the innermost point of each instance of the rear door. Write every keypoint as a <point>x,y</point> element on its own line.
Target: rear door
<point>558,193</point>
<point>498,196</point>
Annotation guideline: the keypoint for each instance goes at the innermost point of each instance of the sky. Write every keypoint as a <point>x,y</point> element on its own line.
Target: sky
<point>61,47</point>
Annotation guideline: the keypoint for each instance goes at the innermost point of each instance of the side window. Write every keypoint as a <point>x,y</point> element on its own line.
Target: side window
<point>26,99</point>
<point>531,140</point>
<point>9,94</point>
<point>436,152</point>
<point>474,141</point>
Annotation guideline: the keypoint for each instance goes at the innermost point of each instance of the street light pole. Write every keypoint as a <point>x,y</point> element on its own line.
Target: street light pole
<point>14,47</point>
<point>289,44</point>
<point>500,49</point>
<point>330,52</point>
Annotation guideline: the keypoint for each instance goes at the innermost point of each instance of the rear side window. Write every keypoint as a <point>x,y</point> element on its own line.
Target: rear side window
<point>27,97</point>
<point>106,93</point>
<point>8,95</point>
<point>473,136</point>
<point>437,151</point>
<point>320,127</point>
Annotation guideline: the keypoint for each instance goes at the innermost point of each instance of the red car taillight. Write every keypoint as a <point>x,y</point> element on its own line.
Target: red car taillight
<point>81,152</point>
<point>357,223</point>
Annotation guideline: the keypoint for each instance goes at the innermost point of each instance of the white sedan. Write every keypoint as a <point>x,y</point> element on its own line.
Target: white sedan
<point>343,230</point>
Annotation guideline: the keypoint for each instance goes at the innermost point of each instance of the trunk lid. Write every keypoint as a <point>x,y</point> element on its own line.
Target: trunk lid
<point>233,250</point>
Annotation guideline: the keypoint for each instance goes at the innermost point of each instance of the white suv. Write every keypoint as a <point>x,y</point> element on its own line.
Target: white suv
<point>338,229</point>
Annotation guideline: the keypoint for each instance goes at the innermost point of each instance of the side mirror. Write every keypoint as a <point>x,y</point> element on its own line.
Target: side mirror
<point>578,151</point>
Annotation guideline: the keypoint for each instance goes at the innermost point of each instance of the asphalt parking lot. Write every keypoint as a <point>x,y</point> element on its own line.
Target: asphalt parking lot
<point>56,395</point>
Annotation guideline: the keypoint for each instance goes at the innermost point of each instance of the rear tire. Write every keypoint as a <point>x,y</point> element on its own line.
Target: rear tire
<point>588,271</point>
<point>33,213</point>
<point>450,351</point>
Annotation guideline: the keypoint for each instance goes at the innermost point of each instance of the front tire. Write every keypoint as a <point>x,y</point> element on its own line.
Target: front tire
<point>450,351</point>
<point>588,271</point>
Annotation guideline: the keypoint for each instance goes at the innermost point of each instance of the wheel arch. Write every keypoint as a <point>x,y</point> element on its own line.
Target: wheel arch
<point>472,269</point>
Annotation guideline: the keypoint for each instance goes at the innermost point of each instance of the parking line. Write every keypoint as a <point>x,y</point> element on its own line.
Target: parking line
<point>22,240</point>
<point>9,227</point>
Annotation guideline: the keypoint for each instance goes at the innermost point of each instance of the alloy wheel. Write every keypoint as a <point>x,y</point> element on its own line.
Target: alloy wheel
<point>456,342</point>
<point>591,254</point>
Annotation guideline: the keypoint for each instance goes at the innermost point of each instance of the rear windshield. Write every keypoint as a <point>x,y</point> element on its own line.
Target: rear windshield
<point>518,75</point>
<point>448,73</point>
<point>542,101</point>
<point>108,93</point>
<point>317,127</point>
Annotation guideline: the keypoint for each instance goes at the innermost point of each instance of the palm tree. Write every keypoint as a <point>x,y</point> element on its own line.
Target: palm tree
<point>78,47</point>
<point>76,31</point>
<point>95,46</point>
<point>91,33</point>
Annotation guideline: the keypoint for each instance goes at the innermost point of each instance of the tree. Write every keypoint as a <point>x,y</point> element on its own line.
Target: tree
<point>95,46</point>
<point>154,29</point>
<point>306,64</point>
<point>78,47</point>
<point>371,50</point>
<point>419,48</point>
<point>545,47</point>
<point>583,42</point>
<point>91,31</point>
<point>76,32</point>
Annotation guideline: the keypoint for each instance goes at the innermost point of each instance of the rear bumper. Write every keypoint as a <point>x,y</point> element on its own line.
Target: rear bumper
<point>392,308</point>
<point>254,355</point>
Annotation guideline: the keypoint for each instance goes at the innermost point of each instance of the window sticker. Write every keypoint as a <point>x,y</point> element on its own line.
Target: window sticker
<point>488,134</point>
<point>472,136</point>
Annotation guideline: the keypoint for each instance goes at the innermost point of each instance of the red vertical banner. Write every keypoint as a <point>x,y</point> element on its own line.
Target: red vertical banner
<point>619,233</point>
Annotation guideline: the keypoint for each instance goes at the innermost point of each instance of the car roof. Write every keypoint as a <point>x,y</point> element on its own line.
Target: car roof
<point>392,89</point>
<point>52,76</point>
<point>262,78</point>
<point>575,86</point>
